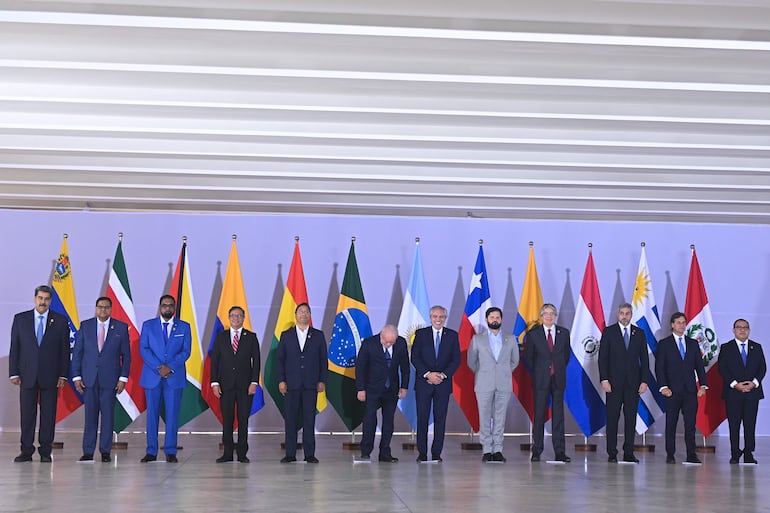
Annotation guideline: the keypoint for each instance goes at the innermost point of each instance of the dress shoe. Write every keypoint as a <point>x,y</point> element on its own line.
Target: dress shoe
<point>45,458</point>
<point>563,458</point>
<point>243,459</point>
<point>670,459</point>
<point>22,458</point>
<point>171,458</point>
<point>498,456</point>
<point>288,459</point>
<point>87,457</point>
<point>630,458</point>
<point>535,457</point>
<point>422,458</point>
<point>106,457</point>
<point>148,457</point>
<point>225,458</point>
<point>311,459</point>
<point>486,457</point>
<point>693,459</point>
<point>749,458</point>
<point>734,461</point>
<point>612,459</point>
<point>388,459</point>
<point>436,458</point>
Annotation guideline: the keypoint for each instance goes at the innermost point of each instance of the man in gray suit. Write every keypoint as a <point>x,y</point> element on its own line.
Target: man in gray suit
<point>492,356</point>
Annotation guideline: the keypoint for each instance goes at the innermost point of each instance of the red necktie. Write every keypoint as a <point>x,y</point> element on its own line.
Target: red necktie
<point>235,342</point>
<point>550,347</point>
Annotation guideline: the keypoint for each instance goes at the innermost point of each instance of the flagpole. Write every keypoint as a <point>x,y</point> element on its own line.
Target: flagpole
<point>585,446</point>
<point>528,446</point>
<point>471,445</point>
<point>115,443</point>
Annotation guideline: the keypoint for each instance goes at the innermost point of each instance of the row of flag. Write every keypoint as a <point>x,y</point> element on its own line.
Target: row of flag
<point>584,395</point>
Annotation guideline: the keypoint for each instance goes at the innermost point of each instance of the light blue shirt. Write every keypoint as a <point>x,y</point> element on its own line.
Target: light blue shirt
<point>495,343</point>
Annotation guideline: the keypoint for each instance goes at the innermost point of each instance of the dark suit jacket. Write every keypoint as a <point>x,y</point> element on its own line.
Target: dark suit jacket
<point>372,367</point>
<point>732,369</point>
<point>424,356</point>
<point>235,370</point>
<point>302,369</point>
<point>39,366</point>
<point>621,367</point>
<point>113,363</point>
<point>155,352</point>
<point>539,356</point>
<point>673,372</point>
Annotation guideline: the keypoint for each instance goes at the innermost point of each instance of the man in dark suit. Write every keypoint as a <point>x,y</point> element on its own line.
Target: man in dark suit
<point>677,361</point>
<point>547,349</point>
<point>623,369</point>
<point>742,366</point>
<point>101,362</point>
<point>302,369</point>
<point>235,368</point>
<point>165,345</point>
<point>382,378</point>
<point>39,362</point>
<point>436,357</point>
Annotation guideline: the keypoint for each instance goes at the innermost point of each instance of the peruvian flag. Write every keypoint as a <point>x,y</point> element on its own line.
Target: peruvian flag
<point>711,408</point>
<point>473,322</point>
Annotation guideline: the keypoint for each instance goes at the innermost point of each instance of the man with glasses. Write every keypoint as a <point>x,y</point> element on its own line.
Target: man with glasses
<point>101,362</point>
<point>742,366</point>
<point>235,368</point>
<point>165,345</point>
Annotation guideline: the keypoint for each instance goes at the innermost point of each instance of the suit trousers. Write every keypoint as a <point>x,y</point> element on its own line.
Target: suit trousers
<point>172,400</point>
<point>439,398</point>
<point>28,401</point>
<point>493,406</point>
<point>628,398</point>
<point>294,401</point>
<point>234,401</point>
<point>687,404</point>
<point>557,422</point>
<point>98,401</point>
<point>386,401</point>
<point>742,408</point>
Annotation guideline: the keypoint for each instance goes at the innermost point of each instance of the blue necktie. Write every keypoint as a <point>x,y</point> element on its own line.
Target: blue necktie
<point>438,341</point>
<point>40,330</point>
<point>743,353</point>
<point>681,348</point>
<point>626,339</point>
<point>165,332</point>
<point>388,361</point>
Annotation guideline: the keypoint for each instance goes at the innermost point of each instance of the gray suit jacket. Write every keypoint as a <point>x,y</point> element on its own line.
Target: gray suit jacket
<point>490,374</point>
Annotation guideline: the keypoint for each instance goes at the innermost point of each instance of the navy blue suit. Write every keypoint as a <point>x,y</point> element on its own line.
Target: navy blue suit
<point>679,376</point>
<point>381,382</point>
<point>424,360</point>
<point>742,407</point>
<point>156,352</point>
<point>301,370</point>
<point>39,368</point>
<point>100,372</point>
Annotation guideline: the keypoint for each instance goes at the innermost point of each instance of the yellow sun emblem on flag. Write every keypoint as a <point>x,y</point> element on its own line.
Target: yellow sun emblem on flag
<point>641,288</point>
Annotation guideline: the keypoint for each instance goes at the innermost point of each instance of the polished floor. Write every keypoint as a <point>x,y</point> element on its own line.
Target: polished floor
<point>461,483</point>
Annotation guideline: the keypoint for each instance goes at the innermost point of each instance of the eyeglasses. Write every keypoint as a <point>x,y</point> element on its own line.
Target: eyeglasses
<point>741,327</point>
<point>104,307</point>
<point>167,305</point>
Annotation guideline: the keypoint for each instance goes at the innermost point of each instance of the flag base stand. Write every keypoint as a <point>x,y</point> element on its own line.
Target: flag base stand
<point>644,448</point>
<point>351,446</point>
<point>120,445</point>
<point>470,446</point>
<point>708,449</point>
<point>57,445</point>
<point>283,446</point>
<point>525,447</point>
<point>409,446</point>
<point>585,447</point>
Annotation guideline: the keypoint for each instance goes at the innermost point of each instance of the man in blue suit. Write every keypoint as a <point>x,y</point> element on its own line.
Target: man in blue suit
<point>39,363</point>
<point>678,361</point>
<point>302,370</point>
<point>382,378</point>
<point>101,361</point>
<point>436,357</point>
<point>165,345</point>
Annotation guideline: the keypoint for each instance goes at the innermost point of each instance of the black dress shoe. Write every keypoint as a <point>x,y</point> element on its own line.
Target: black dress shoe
<point>535,457</point>
<point>734,461</point>
<point>243,459</point>
<point>388,459</point>
<point>498,456</point>
<point>670,460</point>
<point>171,458</point>
<point>311,459</point>
<point>45,458</point>
<point>106,457</point>
<point>563,458</point>
<point>630,458</point>
<point>693,459</point>
<point>225,459</point>
<point>22,458</point>
<point>487,456</point>
<point>422,458</point>
<point>148,458</point>
<point>288,459</point>
<point>612,459</point>
<point>87,457</point>
<point>749,458</point>
<point>436,458</point>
